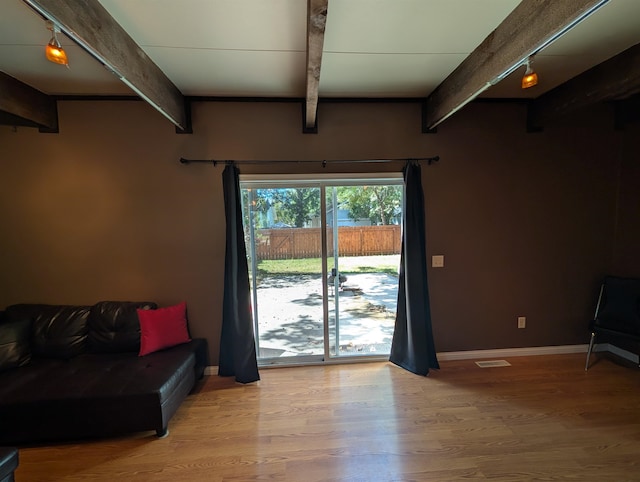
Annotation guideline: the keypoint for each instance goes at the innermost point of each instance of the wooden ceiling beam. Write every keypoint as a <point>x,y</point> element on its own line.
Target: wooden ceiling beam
<point>88,23</point>
<point>530,27</point>
<point>316,22</point>
<point>615,79</point>
<point>21,104</point>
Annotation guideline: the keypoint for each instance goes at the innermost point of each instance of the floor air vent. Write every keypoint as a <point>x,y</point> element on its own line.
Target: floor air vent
<point>493,363</point>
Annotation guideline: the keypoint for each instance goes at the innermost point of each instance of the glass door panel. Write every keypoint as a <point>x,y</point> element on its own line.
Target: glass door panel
<point>284,249</point>
<point>363,246</point>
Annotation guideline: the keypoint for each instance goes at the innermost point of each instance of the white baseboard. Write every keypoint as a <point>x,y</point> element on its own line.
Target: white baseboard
<point>511,352</point>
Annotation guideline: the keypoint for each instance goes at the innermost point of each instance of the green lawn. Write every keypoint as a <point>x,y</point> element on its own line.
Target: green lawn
<point>360,264</point>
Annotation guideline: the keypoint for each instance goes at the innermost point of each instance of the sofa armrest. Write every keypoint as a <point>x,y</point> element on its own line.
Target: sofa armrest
<point>201,350</point>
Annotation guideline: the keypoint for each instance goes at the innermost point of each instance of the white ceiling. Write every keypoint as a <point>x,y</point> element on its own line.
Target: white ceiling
<point>372,48</point>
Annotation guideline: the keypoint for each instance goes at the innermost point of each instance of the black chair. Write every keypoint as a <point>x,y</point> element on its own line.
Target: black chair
<point>8,463</point>
<point>617,313</point>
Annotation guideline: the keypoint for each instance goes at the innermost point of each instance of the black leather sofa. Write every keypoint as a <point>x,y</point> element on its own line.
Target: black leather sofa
<point>72,372</point>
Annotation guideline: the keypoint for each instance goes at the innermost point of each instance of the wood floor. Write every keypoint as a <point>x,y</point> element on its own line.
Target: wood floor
<point>543,418</point>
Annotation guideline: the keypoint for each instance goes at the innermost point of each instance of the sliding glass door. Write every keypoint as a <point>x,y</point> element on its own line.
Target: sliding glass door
<point>323,255</point>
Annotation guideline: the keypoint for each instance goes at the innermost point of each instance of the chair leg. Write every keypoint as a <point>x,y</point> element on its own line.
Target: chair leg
<point>593,339</point>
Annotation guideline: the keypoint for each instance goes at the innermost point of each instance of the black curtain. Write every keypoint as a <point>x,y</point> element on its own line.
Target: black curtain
<point>412,347</point>
<point>237,345</point>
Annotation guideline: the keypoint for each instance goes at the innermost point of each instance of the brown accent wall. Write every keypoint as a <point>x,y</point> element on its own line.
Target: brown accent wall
<point>627,240</point>
<point>104,210</point>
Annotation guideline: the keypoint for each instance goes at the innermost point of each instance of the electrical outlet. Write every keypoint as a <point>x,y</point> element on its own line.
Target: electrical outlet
<point>522,322</point>
<point>437,261</point>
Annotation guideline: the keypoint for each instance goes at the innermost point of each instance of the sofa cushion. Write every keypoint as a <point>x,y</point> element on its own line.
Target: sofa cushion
<point>14,344</point>
<point>57,331</point>
<point>114,326</point>
<point>163,328</point>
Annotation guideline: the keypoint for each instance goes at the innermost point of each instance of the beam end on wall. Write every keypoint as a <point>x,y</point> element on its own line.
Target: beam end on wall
<point>626,112</point>
<point>188,126</point>
<point>425,119</point>
<point>24,105</point>
<point>308,128</point>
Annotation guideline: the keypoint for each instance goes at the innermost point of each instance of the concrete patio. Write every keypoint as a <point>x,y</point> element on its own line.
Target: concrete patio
<point>290,314</point>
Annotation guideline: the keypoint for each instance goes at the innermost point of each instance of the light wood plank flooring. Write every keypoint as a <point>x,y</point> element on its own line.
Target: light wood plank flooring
<point>543,418</point>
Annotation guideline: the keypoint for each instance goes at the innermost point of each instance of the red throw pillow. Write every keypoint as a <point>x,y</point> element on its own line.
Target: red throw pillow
<point>163,328</point>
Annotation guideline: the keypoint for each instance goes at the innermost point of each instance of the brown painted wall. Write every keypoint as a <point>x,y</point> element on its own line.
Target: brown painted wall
<point>627,241</point>
<point>104,210</point>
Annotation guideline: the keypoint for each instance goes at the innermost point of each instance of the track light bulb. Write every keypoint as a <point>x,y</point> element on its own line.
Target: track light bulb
<point>530,78</point>
<point>54,51</point>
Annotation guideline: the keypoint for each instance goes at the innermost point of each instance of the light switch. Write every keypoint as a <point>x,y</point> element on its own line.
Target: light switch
<point>437,261</point>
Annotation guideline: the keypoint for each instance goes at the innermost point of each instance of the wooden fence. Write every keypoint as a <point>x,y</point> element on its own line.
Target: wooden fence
<point>292,243</point>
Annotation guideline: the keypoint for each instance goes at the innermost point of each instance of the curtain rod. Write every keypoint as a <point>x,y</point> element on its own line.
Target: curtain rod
<point>430,160</point>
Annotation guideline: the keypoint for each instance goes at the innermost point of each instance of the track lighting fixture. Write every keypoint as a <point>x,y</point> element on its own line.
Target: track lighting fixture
<point>54,51</point>
<point>530,77</point>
